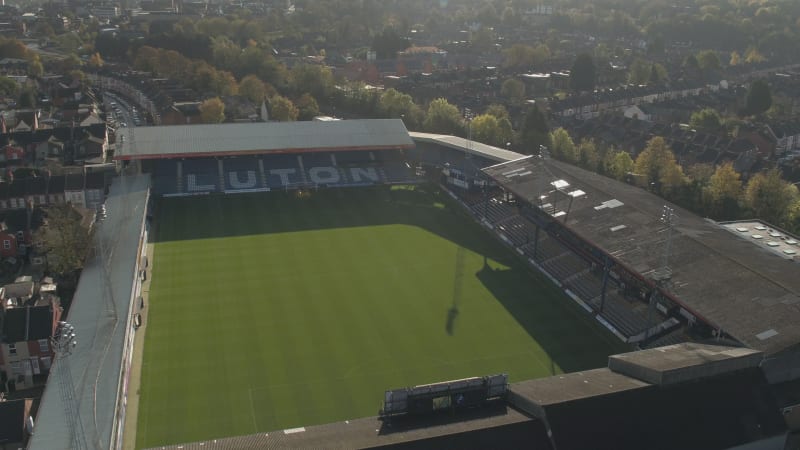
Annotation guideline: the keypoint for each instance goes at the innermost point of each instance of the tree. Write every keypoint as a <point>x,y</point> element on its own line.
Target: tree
<point>442,117</point>
<point>583,75</point>
<point>589,157</point>
<point>563,147</point>
<point>657,168</point>
<point>387,43</point>
<point>521,55</point>
<point>658,74</point>
<point>618,164</point>
<point>770,197</point>
<point>35,67</point>
<point>706,119</point>
<point>64,239</point>
<point>282,109</point>
<point>314,79</point>
<point>252,88</point>
<point>639,72</point>
<point>307,107</point>
<point>489,130</point>
<point>212,111</point>
<point>498,111</point>
<point>736,59</point>
<point>753,56</point>
<point>724,191</point>
<point>759,98</point>
<point>27,98</point>
<point>95,61</point>
<point>708,61</point>
<point>513,90</point>
<point>535,132</point>
<point>8,87</point>
<point>395,104</point>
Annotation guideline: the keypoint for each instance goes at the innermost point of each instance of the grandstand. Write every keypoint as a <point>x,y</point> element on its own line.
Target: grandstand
<point>602,240</point>
<point>597,239</point>
<point>190,160</point>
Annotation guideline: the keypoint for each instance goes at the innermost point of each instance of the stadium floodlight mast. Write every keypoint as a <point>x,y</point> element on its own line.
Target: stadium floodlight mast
<point>64,342</point>
<point>663,274</point>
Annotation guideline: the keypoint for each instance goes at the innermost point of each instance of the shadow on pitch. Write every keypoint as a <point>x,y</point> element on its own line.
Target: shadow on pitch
<point>220,215</point>
<point>571,341</point>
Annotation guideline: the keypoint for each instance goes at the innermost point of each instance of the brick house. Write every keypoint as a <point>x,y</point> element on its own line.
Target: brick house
<point>8,242</point>
<point>25,350</point>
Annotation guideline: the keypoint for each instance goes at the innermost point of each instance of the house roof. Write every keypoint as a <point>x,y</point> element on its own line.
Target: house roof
<point>74,182</point>
<point>29,323</point>
<point>95,180</point>
<point>718,276</point>
<point>18,290</point>
<point>187,141</point>
<point>12,421</point>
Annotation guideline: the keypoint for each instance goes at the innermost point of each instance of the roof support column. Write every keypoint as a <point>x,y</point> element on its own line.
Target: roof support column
<point>262,173</point>
<point>606,272</point>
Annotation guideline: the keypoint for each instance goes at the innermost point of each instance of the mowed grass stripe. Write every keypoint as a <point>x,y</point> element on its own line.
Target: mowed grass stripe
<point>269,311</point>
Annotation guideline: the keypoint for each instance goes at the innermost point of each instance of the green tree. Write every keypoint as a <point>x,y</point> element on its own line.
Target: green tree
<point>307,107</point>
<point>723,192</point>
<point>706,119</point>
<point>315,79</point>
<point>513,90</point>
<point>64,239</point>
<point>657,168</point>
<point>658,74</point>
<point>212,111</point>
<point>395,104</point>
<point>252,88</point>
<point>708,61</point>
<point>282,109</point>
<point>770,197</point>
<point>535,132</point>
<point>759,98</point>
<point>35,67</point>
<point>589,156</point>
<point>489,130</point>
<point>639,72</point>
<point>563,147</point>
<point>442,117</point>
<point>8,87</point>
<point>583,75</point>
<point>27,98</point>
<point>618,164</point>
<point>522,56</point>
<point>498,111</point>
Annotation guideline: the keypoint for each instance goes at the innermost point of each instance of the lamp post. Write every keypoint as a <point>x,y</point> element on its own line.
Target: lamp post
<point>64,342</point>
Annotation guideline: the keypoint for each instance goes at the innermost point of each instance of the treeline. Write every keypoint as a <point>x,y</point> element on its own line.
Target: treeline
<point>716,192</point>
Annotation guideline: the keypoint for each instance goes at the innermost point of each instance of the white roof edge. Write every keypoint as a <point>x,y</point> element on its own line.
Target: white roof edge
<point>466,145</point>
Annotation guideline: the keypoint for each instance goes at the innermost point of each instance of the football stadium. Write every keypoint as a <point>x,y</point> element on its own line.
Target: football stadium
<point>349,284</point>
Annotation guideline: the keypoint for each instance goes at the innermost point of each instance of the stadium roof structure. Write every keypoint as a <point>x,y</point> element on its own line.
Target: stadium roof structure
<point>466,145</point>
<point>231,139</point>
<point>748,292</point>
<point>95,364</point>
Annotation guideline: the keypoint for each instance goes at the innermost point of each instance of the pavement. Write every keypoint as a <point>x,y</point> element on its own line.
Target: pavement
<point>134,383</point>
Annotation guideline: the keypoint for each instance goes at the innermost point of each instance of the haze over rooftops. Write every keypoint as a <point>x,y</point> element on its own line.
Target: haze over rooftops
<point>187,141</point>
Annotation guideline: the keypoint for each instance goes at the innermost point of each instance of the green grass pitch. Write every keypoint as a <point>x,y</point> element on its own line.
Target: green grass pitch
<point>279,310</point>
